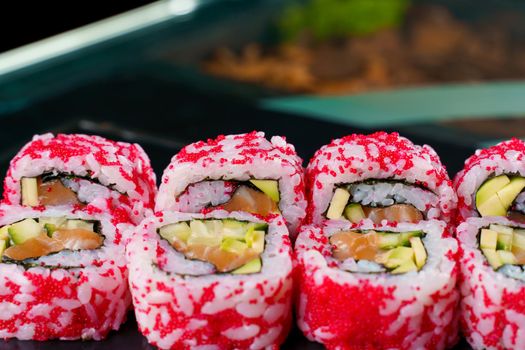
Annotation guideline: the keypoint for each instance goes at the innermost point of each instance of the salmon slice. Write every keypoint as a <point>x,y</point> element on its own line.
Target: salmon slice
<point>77,238</point>
<point>393,213</point>
<point>34,248</point>
<point>250,200</point>
<point>53,192</point>
<point>359,246</point>
<point>223,261</point>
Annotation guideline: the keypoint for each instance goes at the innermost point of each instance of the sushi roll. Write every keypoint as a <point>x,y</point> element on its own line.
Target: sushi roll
<point>62,274</point>
<point>378,177</point>
<point>377,287</point>
<point>492,182</point>
<point>243,172</point>
<point>493,282</point>
<point>217,281</point>
<point>83,172</point>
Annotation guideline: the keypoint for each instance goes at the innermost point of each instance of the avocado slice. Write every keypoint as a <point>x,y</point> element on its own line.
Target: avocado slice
<point>21,231</point>
<point>518,239</point>
<point>419,251</point>
<point>253,266</point>
<point>354,212</point>
<point>492,207</point>
<point>198,228</point>
<point>269,187</point>
<point>57,221</point>
<point>388,240</point>
<point>489,239</point>
<point>233,246</point>
<point>398,256</point>
<point>180,231</point>
<point>492,257</point>
<point>29,189</point>
<point>405,237</point>
<point>490,187</point>
<point>4,232</point>
<point>508,194</point>
<point>504,242</point>
<point>214,227</point>
<point>255,240</point>
<point>506,258</point>
<point>233,229</point>
<point>406,266</point>
<point>338,203</point>
<point>502,229</point>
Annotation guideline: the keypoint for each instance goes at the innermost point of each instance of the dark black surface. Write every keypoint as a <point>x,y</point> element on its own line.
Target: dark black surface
<point>162,118</point>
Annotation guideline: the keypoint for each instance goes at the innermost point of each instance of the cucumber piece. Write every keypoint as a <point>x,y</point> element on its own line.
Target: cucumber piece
<point>502,229</point>
<point>260,226</point>
<point>388,240</point>
<point>21,231</point>
<point>504,242</point>
<point>506,258</point>
<point>206,240</point>
<point>29,189</point>
<point>50,228</point>
<point>80,224</point>
<point>4,243</point>
<point>198,228</point>
<point>420,253</point>
<point>405,237</point>
<point>492,258</point>
<point>233,246</point>
<point>489,239</point>
<point>269,187</point>
<point>255,240</point>
<point>214,227</point>
<point>253,266</point>
<point>354,212</point>
<point>398,256</point>
<point>338,204</point>
<point>180,231</point>
<point>57,221</point>
<point>407,266</point>
<point>4,232</point>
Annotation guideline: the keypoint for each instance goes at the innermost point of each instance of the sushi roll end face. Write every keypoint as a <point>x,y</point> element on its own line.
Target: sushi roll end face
<point>377,287</point>
<point>222,279</point>
<point>82,172</point>
<point>62,274</point>
<point>375,178</point>
<point>493,182</point>
<point>244,172</point>
<point>493,282</point>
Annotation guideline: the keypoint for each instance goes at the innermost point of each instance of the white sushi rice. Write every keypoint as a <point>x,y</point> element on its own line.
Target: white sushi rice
<point>483,291</point>
<point>252,297</point>
<point>412,290</point>
<point>390,193</point>
<point>202,194</point>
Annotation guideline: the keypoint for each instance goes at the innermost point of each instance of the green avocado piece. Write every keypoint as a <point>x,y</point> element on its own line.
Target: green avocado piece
<point>338,204</point>
<point>255,240</point>
<point>4,232</point>
<point>506,258</point>
<point>490,187</point>
<point>269,187</point>
<point>518,239</point>
<point>502,229</point>
<point>405,237</point>
<point>29,189</point>
<point>233,229</point>
<point>488,239</point>
<point>253,266</point>
<point>354,212</point>
<point>233,246</point>
<point>57,221</point>
<point>492,207</point>
<point>388,240</point>
<point>180,231</point>
<point>420,253</point>
<point>406,266</point>
<point>492,257</point>
<point>21,231</point>
<point>3,245</point>
<point>504,242</point>
<point>398,256</point>
<point>508,194</point>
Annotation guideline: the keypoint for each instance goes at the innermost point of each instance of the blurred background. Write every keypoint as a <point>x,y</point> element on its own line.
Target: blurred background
<point>165,73</point>
<point>449,73</point>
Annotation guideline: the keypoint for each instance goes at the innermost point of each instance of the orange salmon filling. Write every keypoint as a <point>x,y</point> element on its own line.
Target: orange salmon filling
<point>394,213</point>
<point>251,201</point>
<point>53,192</point>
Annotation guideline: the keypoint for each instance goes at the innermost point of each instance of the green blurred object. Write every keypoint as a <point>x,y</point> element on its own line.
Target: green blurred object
<point>325,19</point>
